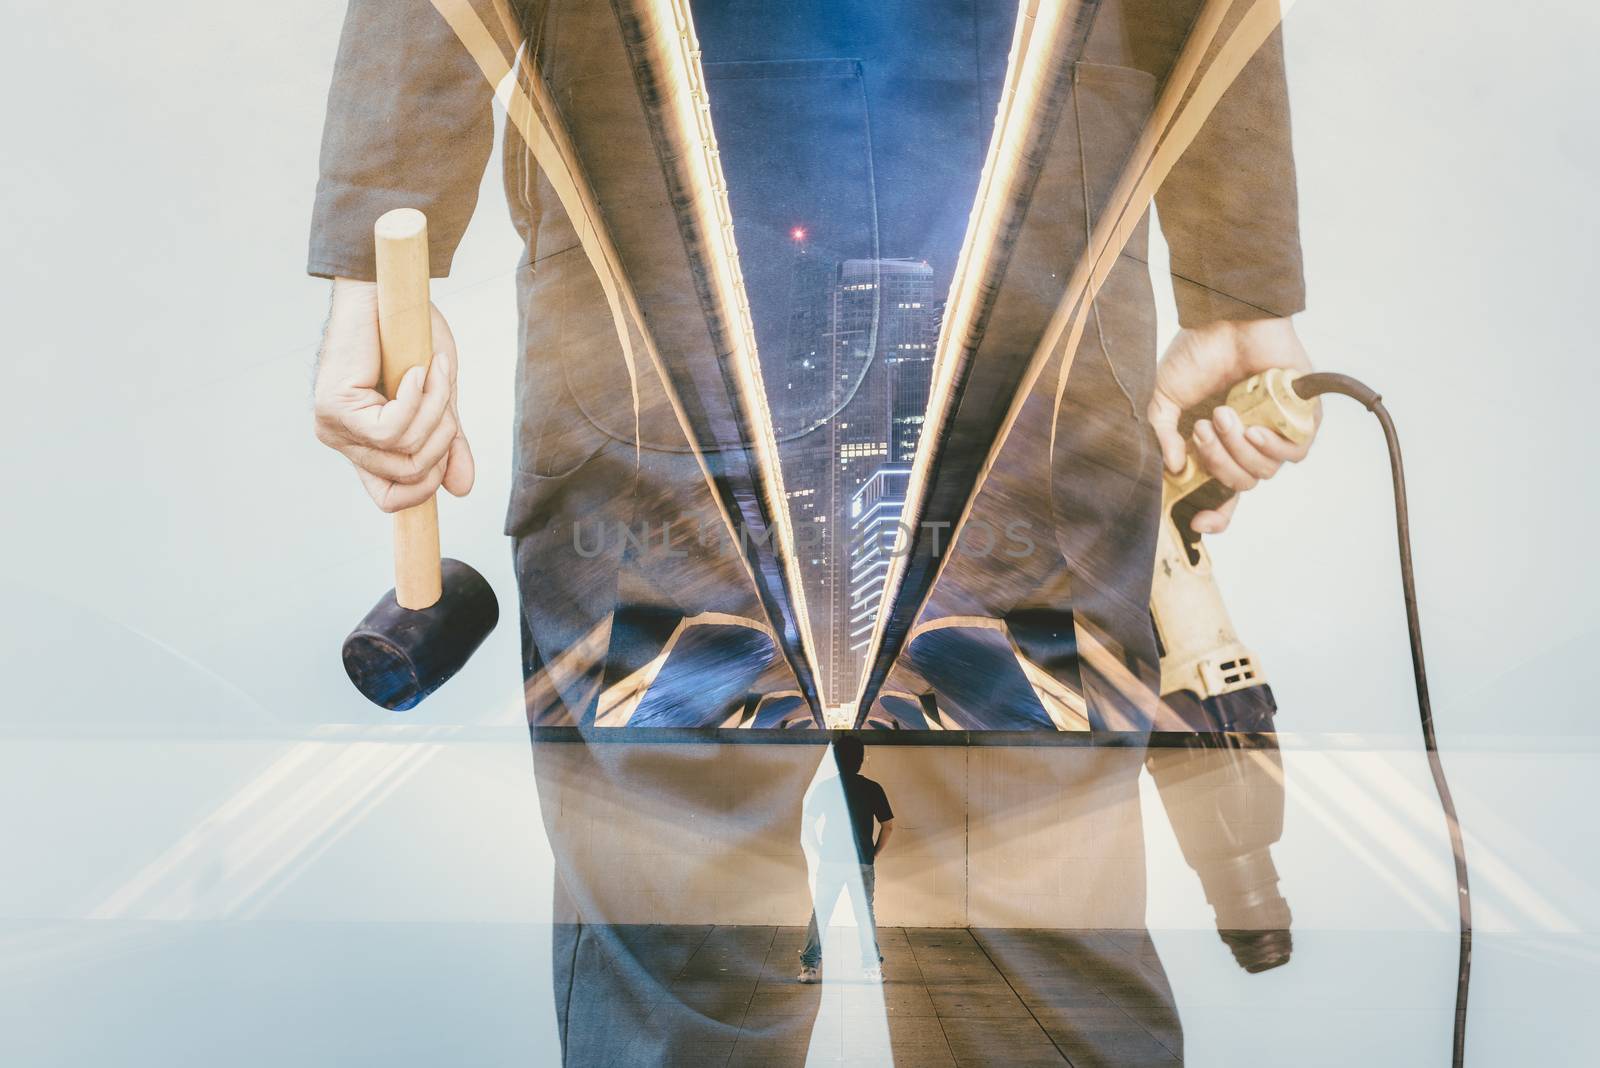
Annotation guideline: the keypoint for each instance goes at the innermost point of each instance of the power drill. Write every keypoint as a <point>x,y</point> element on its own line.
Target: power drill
<point>1224,796</point>
<point>1213,686</point>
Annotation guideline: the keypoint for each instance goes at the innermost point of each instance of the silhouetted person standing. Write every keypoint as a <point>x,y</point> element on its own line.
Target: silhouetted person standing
<point>836,824</point>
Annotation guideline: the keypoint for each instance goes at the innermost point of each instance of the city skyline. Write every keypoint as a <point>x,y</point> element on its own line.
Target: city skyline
<point>849,391</point>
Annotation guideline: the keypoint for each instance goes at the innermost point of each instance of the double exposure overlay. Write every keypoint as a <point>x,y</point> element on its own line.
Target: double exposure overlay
<point>888,521</point>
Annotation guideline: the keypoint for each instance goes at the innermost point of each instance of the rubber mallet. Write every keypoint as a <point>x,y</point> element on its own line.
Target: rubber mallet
<point>439,611</point>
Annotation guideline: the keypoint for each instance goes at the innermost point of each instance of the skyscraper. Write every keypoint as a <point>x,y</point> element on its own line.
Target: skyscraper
<point>848,387</point>
<point>875,513</point>
<point>910,369</point>
<point>885,329</point>
<point>801,393</point>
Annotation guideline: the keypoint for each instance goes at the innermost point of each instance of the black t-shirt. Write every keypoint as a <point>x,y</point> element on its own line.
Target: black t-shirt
<point>866,801</point>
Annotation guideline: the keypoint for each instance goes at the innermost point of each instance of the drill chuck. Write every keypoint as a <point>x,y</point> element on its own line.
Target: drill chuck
<point>1252,916</point>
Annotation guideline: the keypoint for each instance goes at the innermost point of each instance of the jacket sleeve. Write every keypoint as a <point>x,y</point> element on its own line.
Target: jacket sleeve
<point>409,124</point>
<point>1229,208</point>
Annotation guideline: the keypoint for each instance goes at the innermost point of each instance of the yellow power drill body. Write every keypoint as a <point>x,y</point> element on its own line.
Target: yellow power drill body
<point>1224,800</point>
<point>1200,653</point>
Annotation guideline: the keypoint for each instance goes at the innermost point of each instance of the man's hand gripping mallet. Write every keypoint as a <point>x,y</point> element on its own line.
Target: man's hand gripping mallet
<point>422,631</point>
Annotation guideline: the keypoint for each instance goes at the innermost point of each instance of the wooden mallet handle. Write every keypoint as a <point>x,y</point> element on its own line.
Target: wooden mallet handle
<point>405,334</point>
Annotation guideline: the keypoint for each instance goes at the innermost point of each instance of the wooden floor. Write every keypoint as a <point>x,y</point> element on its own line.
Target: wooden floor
<point>950,996</point>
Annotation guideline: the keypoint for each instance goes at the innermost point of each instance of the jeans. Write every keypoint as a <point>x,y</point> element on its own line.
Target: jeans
<point>834,878</point>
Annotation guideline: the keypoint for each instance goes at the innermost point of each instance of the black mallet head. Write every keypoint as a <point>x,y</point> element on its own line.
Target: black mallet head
<point>397,656</point>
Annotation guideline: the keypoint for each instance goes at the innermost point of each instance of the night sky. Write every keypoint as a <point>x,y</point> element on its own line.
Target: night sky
<point>820,104</point>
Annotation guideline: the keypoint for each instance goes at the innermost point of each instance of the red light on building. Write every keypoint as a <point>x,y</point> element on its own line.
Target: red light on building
<point>798,233</point>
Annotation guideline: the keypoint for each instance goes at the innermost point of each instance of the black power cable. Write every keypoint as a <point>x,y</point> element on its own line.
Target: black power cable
<point>1315,385</point>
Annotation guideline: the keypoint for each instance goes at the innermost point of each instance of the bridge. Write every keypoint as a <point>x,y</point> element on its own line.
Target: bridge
<point>636,280</point>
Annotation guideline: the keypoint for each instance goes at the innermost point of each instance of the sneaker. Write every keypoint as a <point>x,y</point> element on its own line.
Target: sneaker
<point>810,974</point>
<point>872,975</point>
